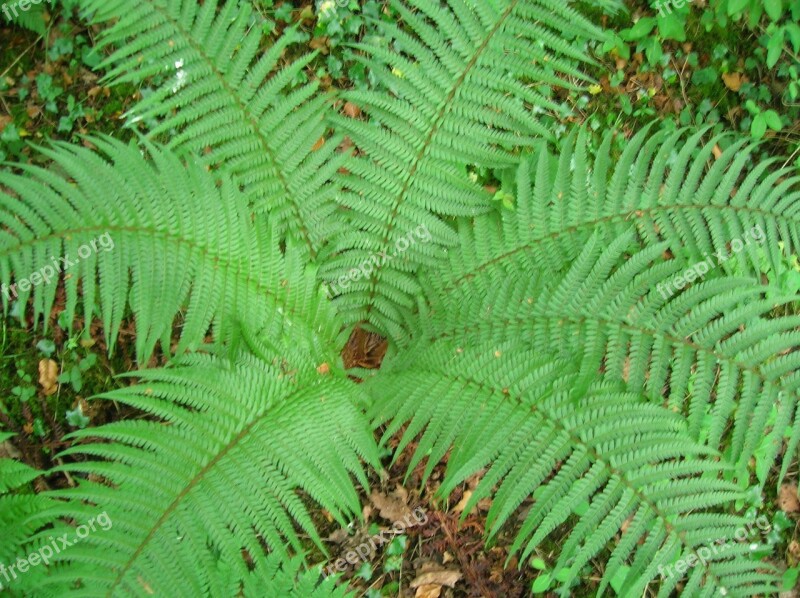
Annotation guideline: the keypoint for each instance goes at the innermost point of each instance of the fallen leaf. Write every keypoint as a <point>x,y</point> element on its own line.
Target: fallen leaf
<point>318,145</point>
<point>794,549</point>
<point>391,507</point>
<point>340,536</point>
<point>439,577</point>
<point>462,504</point>
<point>320,43</point>
<point>5,121</point>
<point>324,369</point>
<point>787,498</point>
<point>351,110</point>
<point>9,451</point>
<point>48,376</point>
<point>733,81</point>
<point>428,591</point>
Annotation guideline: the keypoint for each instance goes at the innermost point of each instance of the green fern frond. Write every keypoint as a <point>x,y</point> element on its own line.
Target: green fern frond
<point>714,351</point>
<point>179,240</point>
<point>466,78</point>
<point>504,406</point>
<point>20,509</point>
<point>668,186</point>
<point>218,94</point>
<point>214,479</point>
<point>286,578</point>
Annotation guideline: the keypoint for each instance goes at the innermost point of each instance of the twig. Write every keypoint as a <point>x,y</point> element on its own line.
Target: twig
<point>25,51</point>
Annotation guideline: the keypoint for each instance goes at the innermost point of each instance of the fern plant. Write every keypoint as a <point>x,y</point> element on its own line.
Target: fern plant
<point>532,344</point>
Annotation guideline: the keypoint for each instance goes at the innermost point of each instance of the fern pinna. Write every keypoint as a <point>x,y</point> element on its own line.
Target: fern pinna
<point>529,342</point>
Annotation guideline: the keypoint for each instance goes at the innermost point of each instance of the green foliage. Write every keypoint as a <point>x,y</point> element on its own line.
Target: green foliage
<point>531,338</point>
<point>220,95</point>
<point>460,95</point>
<point>707,43</point>
<point>19,508</point>
<point>231,443</point>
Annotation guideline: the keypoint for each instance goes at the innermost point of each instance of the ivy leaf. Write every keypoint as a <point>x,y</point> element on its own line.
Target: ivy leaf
<point>77,419</point>
<point>774,8</point>
<point>774,48</point>
<point>653,50</point>
<point>672,26</point>
<point>759,126</point>
<point>540,584</point>
<point>793,33</point>
<point>538,563</point>
<point>46,346</point>
<point>736,6</point>
<point>773,120</point>
<point>640,30</point>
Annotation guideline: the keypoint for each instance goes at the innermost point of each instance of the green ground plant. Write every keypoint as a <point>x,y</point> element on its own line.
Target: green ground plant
<point>528,337</point>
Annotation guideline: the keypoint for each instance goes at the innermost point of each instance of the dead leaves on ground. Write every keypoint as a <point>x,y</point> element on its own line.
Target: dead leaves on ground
<point>787,498</point>
<point>48,376</point>
<point>432,577</point>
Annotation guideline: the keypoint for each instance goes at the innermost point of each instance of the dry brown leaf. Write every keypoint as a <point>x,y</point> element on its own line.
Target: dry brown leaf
<point>5,121</point>
<point>439,577</point>
<point>48,376</point>
<point>320,43</point>
<point>324,369</point>
<point>428,591</point>
<point>462,504</point>
<point>733,81</point>
<point>787,498</point>
<point>794,549</point>
<point>351,110</point>
<point>340,536</point>
<point>9,451</point>
<point>318,145</point>
<point>717,151</point>
<point>391,507</point>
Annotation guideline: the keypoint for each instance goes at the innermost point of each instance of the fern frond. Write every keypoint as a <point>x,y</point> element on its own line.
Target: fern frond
<point>642,480</point>
<point>180,239</point>
<point>214,479</point>
<point>286,578</point>
<point>466,77</point>
<point>677,187</point>
<point>20,509</point>
<point>714,351</point>
<point>220,95</point>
